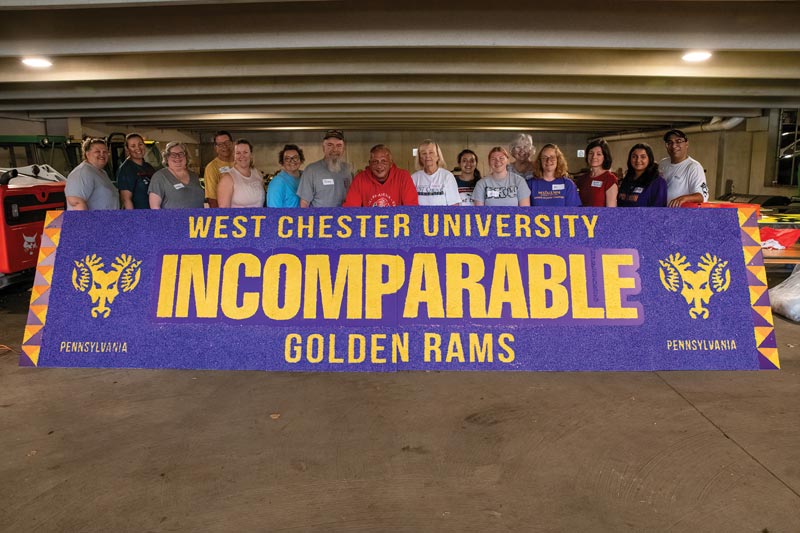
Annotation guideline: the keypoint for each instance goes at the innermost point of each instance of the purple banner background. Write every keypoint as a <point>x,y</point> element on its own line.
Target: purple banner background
<point>258,343</point>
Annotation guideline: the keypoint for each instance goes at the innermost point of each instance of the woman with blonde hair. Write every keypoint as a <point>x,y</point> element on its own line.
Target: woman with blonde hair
<point>88,186</point>
<point>521,149</point>
<point>435,184</point>
<point>551,185</point>
<point>242,185</point>
<point>175,186</point>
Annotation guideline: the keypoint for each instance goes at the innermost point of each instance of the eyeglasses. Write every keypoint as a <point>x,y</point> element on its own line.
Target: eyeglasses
<point>291,159</point>
<point>223,143</point>
<point>675,142</point>
<point>176,155</point>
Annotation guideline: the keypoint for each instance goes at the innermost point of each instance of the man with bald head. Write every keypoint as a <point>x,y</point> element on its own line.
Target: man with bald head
<point>381,184</point>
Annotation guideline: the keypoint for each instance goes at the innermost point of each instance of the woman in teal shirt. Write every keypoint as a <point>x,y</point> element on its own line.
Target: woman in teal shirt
<point>282,190</point>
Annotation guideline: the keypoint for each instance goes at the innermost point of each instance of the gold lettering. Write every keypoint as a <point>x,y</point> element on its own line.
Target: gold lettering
<point>613,284</point>
<point>219,226</point>
<point>505,341</point>
<point>192,278</point>
<point>166,290</point>
<point>540,286</point>
<point>293,348</point>
<point>433,345</point>
<point>507,288</point>
<point>457,284</point>
<point>376,287</point>
<point>290,288</point>
<point>230,286</point>
<point>424,270</point>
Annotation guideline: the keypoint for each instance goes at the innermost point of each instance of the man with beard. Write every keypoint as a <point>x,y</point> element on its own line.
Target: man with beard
<point>381,184</point>
<point>223,147</point>
<point>325,182</point>
<point>133,176</point>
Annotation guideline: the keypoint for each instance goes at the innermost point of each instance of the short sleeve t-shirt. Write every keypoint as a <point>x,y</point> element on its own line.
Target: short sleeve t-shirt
<point>504,192</point>
<point>322,188</point>
<point>528,174</point>
<point>561,192</point>
<point>214,170</point>
<point>465,189</point>
<point>633,194</point>
<point>135,179</point>
<point>592,190</point>
<point>174,194</point>
<point>438,188</point>
<point>282,191</point>
<point>686,177</point>
<point>93,186</point>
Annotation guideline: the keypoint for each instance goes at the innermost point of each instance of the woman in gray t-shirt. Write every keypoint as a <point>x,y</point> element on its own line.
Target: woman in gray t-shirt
<point>175,186</point>
<point>501,187</point>
<point>88,187</point>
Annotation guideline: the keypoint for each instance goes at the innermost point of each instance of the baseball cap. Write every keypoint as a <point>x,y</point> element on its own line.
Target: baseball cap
<point>677,133</point>
<point>335,134</point>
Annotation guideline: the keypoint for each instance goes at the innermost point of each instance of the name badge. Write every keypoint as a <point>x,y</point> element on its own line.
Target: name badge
<point>223,170</point>
<point>327,181</point>
<point>558,187</point>
<point>492,193</point>
<point>597,183</point>
<point>179,186</point>
<point>638,190</point>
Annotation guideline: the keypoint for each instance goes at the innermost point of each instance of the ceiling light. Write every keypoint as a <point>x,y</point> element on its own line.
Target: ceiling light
<point>37,62</point>
<point>695,56</point>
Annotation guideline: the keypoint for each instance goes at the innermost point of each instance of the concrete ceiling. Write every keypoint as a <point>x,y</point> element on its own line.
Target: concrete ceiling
<point>598,67</point>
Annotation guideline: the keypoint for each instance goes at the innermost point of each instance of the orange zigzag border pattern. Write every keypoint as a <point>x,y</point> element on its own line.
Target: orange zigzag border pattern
<point>40,293</point>
<point>763,323</point>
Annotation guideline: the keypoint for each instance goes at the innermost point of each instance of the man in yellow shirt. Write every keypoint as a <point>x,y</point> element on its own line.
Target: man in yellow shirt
<point>223,147</point>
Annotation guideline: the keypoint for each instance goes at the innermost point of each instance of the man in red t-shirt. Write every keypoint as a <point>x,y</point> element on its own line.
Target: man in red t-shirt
<point>381,184</point>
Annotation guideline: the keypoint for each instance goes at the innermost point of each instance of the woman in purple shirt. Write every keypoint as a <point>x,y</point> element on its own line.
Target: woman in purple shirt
<point>642,185</point>
<point>551,185</point>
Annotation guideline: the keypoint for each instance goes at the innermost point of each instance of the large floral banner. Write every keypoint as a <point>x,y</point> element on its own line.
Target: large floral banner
<point>406,289</point>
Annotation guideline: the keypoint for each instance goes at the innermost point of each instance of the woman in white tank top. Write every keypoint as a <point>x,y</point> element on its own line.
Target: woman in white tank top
<point>242,185</point>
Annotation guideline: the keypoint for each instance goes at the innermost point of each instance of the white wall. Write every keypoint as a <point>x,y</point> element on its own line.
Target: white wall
<point>740,156</point>
<point>22,126</point>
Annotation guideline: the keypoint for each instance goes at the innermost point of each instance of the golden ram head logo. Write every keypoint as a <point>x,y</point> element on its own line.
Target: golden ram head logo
<point>88,276</point>
<point>696,287</point>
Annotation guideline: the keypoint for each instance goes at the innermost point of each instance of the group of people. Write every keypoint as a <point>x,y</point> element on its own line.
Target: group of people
<point>516,177</point>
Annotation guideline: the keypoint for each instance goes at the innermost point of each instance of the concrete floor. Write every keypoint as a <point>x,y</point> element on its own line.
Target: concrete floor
<point>144,450</point>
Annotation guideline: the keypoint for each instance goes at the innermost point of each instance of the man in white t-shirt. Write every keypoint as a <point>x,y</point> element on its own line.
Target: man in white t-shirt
<point>685,177</point>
